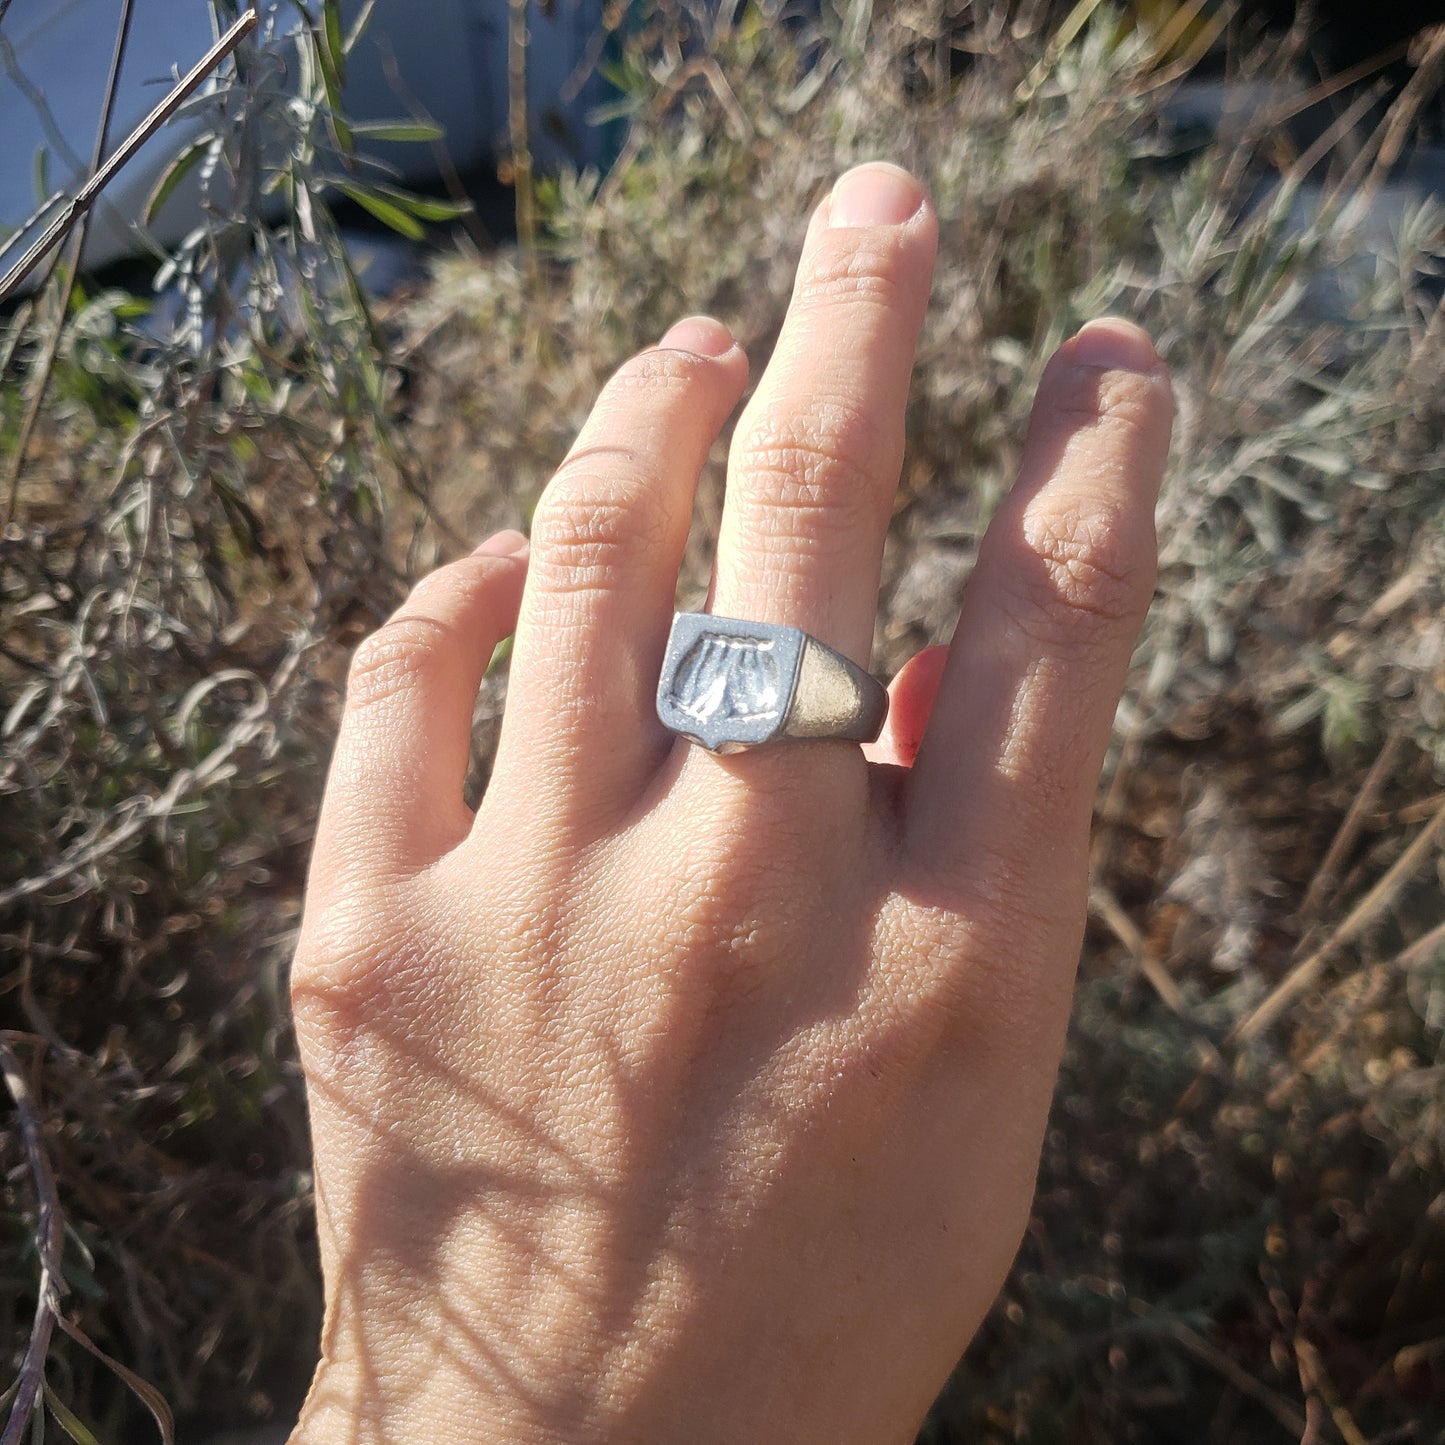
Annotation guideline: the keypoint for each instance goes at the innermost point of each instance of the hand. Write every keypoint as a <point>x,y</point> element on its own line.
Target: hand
<point>683,1098</point>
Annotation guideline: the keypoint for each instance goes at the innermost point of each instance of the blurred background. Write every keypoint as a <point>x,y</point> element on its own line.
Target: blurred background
<point>338,319</point>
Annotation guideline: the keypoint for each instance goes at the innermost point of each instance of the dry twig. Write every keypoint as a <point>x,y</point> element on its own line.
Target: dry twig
<point>1208,1354</point>
<point>85,198</point>
<point>46,364</point>
<point>49,1233</point>
<point>1326,875</point>
<point>1105,907</point>
<point>1369,908</point>
<point>126,820</point>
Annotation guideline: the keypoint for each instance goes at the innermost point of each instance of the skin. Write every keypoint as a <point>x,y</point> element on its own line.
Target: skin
<point>682,1098</point>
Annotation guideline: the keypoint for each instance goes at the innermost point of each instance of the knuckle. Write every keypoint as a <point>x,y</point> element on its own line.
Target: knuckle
<point>866,271</point>
<point>1087,577</point>
<point>987,966</point>
<point>733,916</point>
<point>1124,404</point>
<point>588,528</point>
<point>1016,911</point>
<point>812,462</point>
<point>393,658</point>
<point>654,374</point>
<point>345,976</point>
<point>1091,563</point>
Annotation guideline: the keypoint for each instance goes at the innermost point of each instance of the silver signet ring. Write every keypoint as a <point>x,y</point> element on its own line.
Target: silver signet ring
<point>728,685</point>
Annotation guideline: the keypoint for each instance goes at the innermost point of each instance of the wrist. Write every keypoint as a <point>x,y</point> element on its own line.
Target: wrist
<point>427,1368</point>
<point>366,1403</point>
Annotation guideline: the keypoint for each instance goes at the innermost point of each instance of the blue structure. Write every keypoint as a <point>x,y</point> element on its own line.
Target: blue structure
<point>450,55</point>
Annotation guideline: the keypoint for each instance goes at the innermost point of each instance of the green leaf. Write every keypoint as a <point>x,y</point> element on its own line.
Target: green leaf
<point>43,191</point>
<point>331,56</point>
<point>334,43</point>
<point>359,26</point>
<point>422,208</point>
<point>341,130</point>
<point>69,1421</point>
<point>501,657</point>
<point>306,60</point>
<point>330,81</point>
<point>385,211</point>
<point>622,109</point>
<point>173,175</point>
<point>398,130</point>
<point>429,208</point>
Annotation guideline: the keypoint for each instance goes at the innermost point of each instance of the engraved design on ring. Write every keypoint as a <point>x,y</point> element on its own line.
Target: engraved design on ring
<point>728,684</point>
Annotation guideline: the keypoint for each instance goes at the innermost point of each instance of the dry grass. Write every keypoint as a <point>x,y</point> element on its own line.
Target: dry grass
<point>1238,1234</point>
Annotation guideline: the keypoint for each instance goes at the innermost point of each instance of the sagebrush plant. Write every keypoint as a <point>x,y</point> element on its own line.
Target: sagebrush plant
<point>1238,1234</point>
<point>199,530</point>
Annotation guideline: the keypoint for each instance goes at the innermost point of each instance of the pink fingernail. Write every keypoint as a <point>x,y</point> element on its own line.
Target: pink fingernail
<point>701,335</point>
<point>876,194</point>
<point>1115,345</point>
<point>505,544</point>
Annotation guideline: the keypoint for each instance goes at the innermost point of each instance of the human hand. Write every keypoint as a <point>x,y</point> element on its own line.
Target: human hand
<point>676,1097</point>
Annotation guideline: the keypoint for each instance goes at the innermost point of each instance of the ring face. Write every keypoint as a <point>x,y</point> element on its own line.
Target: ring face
<point>729,684</point>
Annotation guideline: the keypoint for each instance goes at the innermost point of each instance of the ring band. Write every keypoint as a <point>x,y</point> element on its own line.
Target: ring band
<point>728,685</point>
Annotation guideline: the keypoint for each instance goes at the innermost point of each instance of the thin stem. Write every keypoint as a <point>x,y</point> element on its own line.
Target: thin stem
<point>49,1231</point>
<point>517,126</point>
<point>88,194</point>
<point>76,248</point>
<point>1304,973</point>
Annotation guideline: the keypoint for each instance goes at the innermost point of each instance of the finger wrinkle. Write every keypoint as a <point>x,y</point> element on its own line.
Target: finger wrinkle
<point>596,503</point>
<point>811,466</point>
<point>581,571</point>
<point>834,421</point>
<point>669,372</point>
<point>395,658</point>
<point>1127,409</point>
<point>862,288</point>
<point>888,265</point>
<point>1092,561</point>
<point>588,524</point>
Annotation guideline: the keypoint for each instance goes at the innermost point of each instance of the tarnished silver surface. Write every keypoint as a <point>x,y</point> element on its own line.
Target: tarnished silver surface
<point>728,684</point>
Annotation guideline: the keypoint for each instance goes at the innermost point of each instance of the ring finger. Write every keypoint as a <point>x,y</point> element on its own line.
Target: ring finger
<point>580,736</point>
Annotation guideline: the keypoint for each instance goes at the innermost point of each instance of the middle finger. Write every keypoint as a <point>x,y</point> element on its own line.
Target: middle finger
<point>816,456</point>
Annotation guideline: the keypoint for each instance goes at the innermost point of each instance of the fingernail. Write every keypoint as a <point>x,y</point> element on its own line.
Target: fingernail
<point>1115,345</point>
<point>700,335</point>
<point>876,194</point>
<point>504,544</point>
